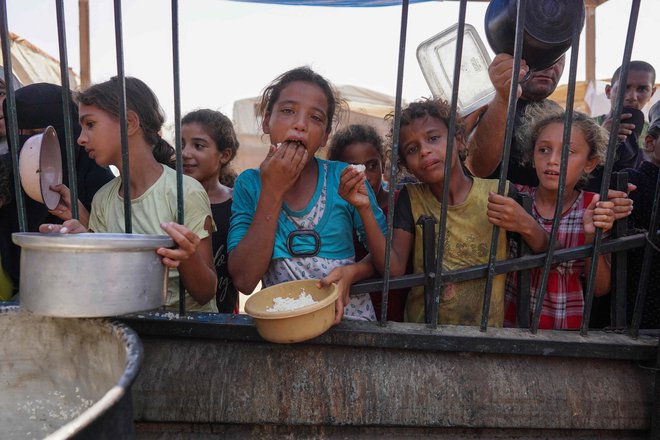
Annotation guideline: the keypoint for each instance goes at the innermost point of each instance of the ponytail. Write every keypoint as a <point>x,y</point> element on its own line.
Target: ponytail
<point>164,153</point>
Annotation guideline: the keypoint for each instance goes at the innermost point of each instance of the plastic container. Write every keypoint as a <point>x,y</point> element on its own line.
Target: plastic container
<point>436,59</point>
<point>296,325</point>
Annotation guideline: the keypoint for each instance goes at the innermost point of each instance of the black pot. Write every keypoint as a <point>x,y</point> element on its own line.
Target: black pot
<point>549,29</point>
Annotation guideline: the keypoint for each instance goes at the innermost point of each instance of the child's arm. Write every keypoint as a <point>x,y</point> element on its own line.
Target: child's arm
<point>194,259</point>
<point>352,188</point>
<point>345,277</point>
<point>508,214</point>
<point>249,260</point>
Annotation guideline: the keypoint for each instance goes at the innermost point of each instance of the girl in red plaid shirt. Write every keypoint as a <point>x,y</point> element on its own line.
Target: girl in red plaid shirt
<point>582,213</point>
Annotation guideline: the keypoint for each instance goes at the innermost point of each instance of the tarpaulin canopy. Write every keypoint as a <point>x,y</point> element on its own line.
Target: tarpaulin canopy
<point>346,3</point>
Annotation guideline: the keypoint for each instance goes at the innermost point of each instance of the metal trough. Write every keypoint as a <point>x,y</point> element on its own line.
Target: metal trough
<point>66,378</point>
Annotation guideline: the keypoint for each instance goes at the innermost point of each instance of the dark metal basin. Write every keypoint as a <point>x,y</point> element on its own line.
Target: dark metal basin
<point>66,378</point>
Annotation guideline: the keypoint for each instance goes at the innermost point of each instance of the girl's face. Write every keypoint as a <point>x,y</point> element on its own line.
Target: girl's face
<point>100,135</point>
<point>364,153</point>
<point>299,115</point>
<point>423,144</point>
<point>547,157</point>
<point>201,158</point>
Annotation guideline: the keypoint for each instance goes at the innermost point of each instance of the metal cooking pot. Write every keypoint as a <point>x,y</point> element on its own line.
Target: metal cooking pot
<point>91,275</point>
<point>549,29</point>
<point>66,378</point>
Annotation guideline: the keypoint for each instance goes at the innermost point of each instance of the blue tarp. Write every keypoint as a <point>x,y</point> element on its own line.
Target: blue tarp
<point>347,3</point>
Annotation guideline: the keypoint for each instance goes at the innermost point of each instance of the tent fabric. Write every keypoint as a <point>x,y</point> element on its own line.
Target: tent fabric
<point>32,65</point>
<point>336,3</point>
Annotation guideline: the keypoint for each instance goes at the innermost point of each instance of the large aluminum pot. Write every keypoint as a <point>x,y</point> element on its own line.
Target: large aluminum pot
<point>66,378</point>
<point>91,275</point>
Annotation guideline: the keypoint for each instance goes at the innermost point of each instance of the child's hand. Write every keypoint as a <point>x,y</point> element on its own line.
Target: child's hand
<point>63,208</point>
<point>500,72</point>
<point>505,212</point>
<point>343,278</point>
<point>282,167</point>
<point>186,241</point>
<point>72,226</point>
<point>352,187</point>
<point>598,215</point>
<point>623,205</point>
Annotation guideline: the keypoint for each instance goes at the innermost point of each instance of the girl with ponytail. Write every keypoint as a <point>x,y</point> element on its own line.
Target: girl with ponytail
<point>152,187</point>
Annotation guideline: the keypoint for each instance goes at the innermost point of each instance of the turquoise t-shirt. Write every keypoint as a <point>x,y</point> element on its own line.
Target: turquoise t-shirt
<point>335,228</point>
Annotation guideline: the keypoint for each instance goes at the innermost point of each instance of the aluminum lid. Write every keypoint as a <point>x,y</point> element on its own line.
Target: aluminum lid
<point>91,241</point>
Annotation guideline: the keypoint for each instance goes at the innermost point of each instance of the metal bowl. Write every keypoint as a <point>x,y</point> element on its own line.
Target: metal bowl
<point>91,275</point>
<point>66,378</point>
<point>40,166</point>
<point>296,325</point>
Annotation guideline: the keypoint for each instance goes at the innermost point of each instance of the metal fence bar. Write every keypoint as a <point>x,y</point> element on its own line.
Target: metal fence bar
<point>506,152</point>
<point>177,135</point>
<point>524,280</point>
<point>449,150</point>
<point>618,297</point>
<point>393,160</point>
<point>125,173</point>
<point>66,108</point>
<point>559,205</point>
<point>609,163</point>
<point>510,265</point>
<point>11,121</point>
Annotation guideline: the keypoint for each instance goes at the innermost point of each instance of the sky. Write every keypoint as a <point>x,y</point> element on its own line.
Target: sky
<point>232,50</point>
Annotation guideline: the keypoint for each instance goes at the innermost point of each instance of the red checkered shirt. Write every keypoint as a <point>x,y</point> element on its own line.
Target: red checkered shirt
<point>564,301</point>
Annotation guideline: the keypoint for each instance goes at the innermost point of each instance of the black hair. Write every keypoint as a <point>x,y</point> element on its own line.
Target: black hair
<point>638,66</point>
<point>272,92</point>
<point>434,108</point>
<point>219,128</point>
<point>352,134</point>
<point>139,99</point>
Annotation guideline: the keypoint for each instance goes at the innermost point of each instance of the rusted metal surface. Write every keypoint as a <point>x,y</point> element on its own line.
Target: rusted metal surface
<point>225,382</point>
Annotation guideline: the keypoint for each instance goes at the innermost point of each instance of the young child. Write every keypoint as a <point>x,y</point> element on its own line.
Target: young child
<point>422,151</point>
<point>152,187</point>
<point>582,213</point>
<point>361,144</point>
<point>645,178</point>
<point>209,145</point>
<point>295,193</point>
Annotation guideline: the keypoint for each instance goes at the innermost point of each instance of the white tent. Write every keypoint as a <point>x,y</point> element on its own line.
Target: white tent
<point>31,64</point>
<point>363,106</point>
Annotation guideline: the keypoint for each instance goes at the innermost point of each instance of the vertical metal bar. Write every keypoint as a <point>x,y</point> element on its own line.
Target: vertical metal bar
<point>428,239</point>
<point>393,160</point>
<point>11,121</point>
<point>177,135</point>
<point>618,295</point>
<point>609,162</point>
<point>506,152</point>
<point>66,108</point>
<point>524,281</point>
<point>442,232</point>
<point>125,182</point>
<point>568,125</point>
<point>651,243</point>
